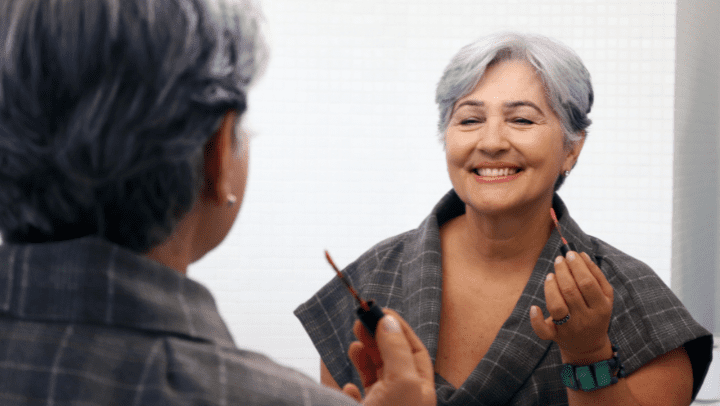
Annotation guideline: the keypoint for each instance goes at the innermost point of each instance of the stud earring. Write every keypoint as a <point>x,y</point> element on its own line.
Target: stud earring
<point>231,199</point>
<point>566,173</point>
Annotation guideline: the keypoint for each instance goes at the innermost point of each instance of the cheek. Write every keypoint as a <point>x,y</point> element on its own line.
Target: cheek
<point>545,150</point>
<point>455,160</point>
<point>457,148</point>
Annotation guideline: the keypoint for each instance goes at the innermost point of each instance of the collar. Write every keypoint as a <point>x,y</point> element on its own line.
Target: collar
<point>422,283</point>
<point>90,280</point>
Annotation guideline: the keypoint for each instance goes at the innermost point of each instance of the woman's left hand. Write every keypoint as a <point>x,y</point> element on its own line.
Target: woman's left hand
<point>578,289</point>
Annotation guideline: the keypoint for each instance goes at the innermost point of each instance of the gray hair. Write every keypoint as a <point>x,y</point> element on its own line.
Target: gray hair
<point>567,81</point>
<point>105,109</point>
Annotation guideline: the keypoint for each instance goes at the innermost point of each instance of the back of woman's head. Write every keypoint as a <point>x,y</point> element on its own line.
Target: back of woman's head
<point>105,108</point>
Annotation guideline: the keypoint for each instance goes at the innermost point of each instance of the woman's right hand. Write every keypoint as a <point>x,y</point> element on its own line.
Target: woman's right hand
<point>394,366</point>
<point>580,291</point>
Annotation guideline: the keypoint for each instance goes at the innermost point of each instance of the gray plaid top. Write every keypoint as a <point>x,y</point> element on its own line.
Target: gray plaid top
<point>404,273</point>
<point>85,322</point>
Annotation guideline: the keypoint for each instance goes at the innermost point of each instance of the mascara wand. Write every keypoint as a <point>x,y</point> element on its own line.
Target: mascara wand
<point>369,313</point>
<point>565,247</point>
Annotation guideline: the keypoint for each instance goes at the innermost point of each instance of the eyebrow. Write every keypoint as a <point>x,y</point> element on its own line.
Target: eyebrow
<point>506,106</point>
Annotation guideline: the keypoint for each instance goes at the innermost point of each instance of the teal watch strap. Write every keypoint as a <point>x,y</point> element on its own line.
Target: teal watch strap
<point>585,377</point>
<point>594,376</point>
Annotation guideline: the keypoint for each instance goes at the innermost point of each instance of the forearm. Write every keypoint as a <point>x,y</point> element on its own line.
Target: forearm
<point>666,381</point>
<point>618,394</point>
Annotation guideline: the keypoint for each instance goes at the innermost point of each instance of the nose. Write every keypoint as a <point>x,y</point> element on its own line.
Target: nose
<point>493,138</point>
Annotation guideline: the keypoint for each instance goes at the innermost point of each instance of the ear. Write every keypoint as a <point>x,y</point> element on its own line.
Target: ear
<point>218,160</point>
<point>574,153</point>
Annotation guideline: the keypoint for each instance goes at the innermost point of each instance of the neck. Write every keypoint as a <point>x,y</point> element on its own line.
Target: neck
<point>177,250</point>
<point>172,254</point>
<point>493,239</point>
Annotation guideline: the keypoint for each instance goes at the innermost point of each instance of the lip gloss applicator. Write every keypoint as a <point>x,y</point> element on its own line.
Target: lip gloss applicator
<point>369,313</point>
<point>565,247</point>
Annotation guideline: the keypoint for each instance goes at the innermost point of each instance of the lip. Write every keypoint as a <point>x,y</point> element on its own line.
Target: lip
<point>496,179</point>
<point>498,165</point>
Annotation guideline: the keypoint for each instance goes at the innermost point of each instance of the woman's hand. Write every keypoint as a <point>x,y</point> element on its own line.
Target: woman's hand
<point>578,289</point>
<point>394,366</point>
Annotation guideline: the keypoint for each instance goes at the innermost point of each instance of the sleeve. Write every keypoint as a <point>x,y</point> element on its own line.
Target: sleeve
<point>254,379</point>
<point>329,316</point>
<point>648,319</point>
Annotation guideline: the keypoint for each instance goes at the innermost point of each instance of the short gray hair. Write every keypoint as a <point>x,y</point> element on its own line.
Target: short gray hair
<point>567,81</point>
<point>105,109</point>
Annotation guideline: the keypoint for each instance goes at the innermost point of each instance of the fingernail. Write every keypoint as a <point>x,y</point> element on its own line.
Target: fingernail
<point>550,276</point>
<point>571,256</point>
<point>390,324</point>
<point>533,312</point>
<point>559,259</point>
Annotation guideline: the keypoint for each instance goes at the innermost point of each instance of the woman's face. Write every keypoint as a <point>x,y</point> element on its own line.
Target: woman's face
<point>504,144</point>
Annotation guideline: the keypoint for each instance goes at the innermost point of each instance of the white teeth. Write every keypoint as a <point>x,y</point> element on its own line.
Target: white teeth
<point>496,171</point>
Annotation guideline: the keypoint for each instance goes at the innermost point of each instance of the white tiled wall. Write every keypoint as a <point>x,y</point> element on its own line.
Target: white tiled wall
<point>696,174</point>
<point>696,184</point>
<point>346,152</point>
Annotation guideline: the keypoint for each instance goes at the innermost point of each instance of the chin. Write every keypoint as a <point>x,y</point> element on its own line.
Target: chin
<point>500,204</point>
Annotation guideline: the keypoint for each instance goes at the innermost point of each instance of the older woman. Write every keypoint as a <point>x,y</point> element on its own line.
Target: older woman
<point>119,166</point>
<point>474,278</point>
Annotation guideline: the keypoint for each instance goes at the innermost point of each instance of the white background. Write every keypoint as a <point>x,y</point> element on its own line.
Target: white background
<point>346,152</point>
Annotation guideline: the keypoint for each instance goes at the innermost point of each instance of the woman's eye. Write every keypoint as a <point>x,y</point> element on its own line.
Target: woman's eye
<point>524,121</point>
<point>470,121</point>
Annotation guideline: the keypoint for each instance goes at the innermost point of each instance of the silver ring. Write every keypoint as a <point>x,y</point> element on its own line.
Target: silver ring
<point>562,321</point>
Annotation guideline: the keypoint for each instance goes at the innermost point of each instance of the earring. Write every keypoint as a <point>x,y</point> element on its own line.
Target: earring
<point>231,199</point>
<point>566,173</point>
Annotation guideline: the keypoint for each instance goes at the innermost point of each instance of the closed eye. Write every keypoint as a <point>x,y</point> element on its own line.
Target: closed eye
<point>470,121</point>
<point>523,121</point>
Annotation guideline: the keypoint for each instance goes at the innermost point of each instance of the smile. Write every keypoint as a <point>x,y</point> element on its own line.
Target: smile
<point>496,171</point>
<point>496,175</point>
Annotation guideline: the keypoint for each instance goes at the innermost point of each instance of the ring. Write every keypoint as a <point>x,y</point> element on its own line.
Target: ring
<point>562,321</point>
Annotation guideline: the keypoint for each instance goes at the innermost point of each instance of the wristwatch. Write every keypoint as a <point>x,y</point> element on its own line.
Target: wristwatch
<point>594,376</point>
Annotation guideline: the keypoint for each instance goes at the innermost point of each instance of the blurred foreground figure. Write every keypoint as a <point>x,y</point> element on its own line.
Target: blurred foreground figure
<point>122,162</point>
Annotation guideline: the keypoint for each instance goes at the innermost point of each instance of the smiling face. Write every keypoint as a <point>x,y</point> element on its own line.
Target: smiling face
<point>504,144</point>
